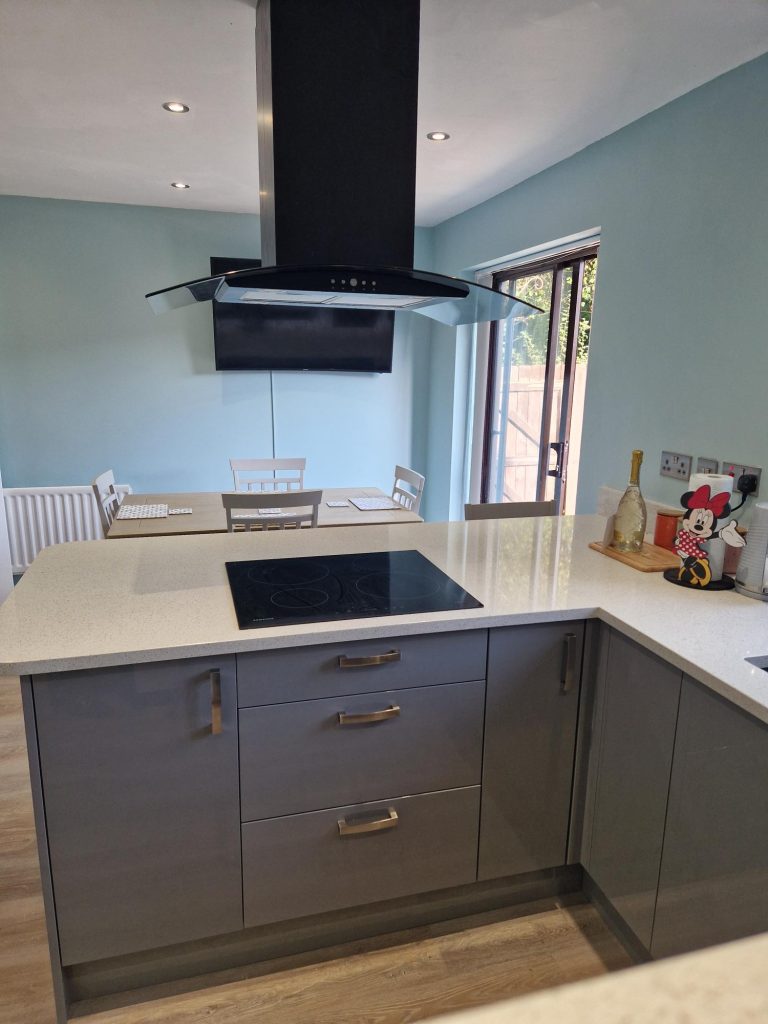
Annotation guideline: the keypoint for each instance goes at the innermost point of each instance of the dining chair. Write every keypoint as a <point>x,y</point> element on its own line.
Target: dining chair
<point>409,496</point>
<point>509,509</point>
<point>247,509</point>
<point>107,498</point>
<point>268,474</point>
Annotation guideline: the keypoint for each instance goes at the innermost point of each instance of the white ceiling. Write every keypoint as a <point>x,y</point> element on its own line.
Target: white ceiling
<point>519,84</point>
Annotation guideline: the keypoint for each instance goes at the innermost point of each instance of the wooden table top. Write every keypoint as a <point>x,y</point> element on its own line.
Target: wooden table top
<point>208,514</point>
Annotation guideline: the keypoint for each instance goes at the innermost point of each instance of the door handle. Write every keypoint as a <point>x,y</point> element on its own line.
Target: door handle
<point>372,716</point>
<point>560,448</point>
<point>379,825</point>
<point>568,668</point>
<point>368,660</point>
<point>215,677</point>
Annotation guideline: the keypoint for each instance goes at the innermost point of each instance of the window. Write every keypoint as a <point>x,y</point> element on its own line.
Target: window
<point>536,378</point>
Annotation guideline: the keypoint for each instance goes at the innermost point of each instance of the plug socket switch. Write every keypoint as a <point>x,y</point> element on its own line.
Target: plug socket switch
<point>707,465</point>
<point>676,465</point>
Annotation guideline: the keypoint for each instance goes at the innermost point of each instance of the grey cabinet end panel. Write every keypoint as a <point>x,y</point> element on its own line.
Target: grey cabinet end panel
<point>633,761</point>
<point>714,873</point>
<point>301,865</point>
<point>530,736</point>
<point>141,804</point>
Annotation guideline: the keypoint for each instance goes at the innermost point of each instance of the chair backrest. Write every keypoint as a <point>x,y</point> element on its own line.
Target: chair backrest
<point>107,498</point>
<point>409,496</point>
<point>509,509</point>
<point>244,509</point>
<point>268,474</point>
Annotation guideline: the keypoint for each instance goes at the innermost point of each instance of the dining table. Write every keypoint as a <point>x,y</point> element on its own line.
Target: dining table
<point>207,513</point>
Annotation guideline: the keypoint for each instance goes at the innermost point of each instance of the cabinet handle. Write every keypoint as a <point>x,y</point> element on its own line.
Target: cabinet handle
<point>372,716</point>
<point>380,825</point>
<point>215,677</point>
<point>368,659</point>
<point>568,671</point>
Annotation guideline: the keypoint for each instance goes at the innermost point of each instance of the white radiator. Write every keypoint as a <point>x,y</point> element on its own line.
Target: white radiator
<point>40,516</point>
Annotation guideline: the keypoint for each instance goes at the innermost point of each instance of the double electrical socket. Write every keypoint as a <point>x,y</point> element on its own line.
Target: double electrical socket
<point>676,465</point>
<point>735,469</point>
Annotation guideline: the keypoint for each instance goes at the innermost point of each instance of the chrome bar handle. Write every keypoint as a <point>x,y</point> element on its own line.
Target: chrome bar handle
<point>568,668</point>
<point>372,716</point>
<point>379,825</point>
<point>368,660</point>
<point>215,677</point>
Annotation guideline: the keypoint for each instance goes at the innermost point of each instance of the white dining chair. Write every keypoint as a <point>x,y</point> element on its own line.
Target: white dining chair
<point>509,509</point>
<point>408,488</point>
<point>268,474</point>
<point>246,510</point>
<point>107,498</point>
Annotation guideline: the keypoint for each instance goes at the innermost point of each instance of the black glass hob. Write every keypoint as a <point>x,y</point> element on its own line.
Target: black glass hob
<point>279,591</point>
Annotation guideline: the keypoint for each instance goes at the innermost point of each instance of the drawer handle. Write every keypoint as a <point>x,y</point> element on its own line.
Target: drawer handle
<point>215,677</point>
<point>568,673</point>
<point>368,660</point>
<point>380,825</point>
<point>372,716</point>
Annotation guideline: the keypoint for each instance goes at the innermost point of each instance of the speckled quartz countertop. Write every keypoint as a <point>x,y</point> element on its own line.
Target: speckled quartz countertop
<point>96,603</point>
<point>722,985</point>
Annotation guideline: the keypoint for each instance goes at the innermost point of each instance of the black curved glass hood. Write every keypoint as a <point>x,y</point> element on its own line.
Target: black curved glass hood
<point>337,198</point>
<point>450,300</point>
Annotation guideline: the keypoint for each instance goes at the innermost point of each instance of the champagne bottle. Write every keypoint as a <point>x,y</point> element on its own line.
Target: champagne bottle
<point>631,516</point>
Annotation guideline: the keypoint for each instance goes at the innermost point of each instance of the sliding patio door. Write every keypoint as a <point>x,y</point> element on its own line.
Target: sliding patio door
<point>536,378</point>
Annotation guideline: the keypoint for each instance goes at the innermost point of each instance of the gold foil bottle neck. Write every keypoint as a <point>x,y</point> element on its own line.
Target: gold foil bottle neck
<point>637,461</point>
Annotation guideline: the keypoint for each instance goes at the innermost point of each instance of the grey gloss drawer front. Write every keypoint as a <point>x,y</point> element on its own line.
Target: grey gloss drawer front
<point>301,673</point>
<point>301,865</point>
<point>300,757</point>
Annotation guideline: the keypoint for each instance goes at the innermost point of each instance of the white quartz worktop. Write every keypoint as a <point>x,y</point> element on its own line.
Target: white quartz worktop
<point>97,603</point>
<point>722,985</point>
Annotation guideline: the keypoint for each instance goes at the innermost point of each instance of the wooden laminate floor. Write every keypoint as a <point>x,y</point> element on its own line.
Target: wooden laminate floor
<point>390,980</point>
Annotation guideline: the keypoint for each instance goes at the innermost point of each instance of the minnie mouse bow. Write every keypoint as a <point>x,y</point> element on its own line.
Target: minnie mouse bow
<point>700,498</point>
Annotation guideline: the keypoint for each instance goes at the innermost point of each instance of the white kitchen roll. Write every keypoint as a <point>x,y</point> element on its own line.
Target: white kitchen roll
<point>717,482</point>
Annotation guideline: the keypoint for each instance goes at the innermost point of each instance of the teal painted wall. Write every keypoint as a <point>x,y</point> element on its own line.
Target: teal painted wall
<point>90,378</point>
<point>679,354</point>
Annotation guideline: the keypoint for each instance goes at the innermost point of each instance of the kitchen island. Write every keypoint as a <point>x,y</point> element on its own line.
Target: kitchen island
<point>87,617</point>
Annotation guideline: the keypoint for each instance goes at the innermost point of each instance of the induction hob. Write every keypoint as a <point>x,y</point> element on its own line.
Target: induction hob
<point>320,588</point>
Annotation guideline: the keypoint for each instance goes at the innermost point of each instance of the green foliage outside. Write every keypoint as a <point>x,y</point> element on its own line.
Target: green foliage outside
<point>530,333</point>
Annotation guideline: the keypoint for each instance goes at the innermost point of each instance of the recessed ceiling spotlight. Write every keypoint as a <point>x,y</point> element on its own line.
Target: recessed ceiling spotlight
<point>438,136</point>
<point>174,107</point>
<point>179,184</point>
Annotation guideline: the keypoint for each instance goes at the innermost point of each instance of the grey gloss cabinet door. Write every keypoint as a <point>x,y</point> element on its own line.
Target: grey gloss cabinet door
<point>530,734</point>
<point>636,705</point>
<point>141,804</point>
<point>714,871</point>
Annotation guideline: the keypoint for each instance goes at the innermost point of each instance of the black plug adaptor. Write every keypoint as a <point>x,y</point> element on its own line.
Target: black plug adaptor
<point>747,483</point>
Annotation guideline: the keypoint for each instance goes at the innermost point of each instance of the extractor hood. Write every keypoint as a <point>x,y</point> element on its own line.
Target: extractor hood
<point>337,91</point>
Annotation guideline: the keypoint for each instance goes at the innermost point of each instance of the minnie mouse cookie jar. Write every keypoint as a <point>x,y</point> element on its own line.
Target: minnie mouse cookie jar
<point>703,511</point>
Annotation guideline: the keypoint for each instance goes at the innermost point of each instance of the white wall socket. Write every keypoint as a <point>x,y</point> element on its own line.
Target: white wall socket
<point>676,465</point>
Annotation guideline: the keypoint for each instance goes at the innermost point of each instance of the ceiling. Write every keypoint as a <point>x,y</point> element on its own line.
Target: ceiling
<point>519,84</point>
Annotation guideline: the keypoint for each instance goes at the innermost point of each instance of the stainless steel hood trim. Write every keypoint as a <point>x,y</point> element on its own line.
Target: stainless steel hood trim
<point>450,300</point>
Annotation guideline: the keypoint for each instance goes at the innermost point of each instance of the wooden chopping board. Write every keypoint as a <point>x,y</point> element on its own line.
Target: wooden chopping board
<point>651,558</point>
